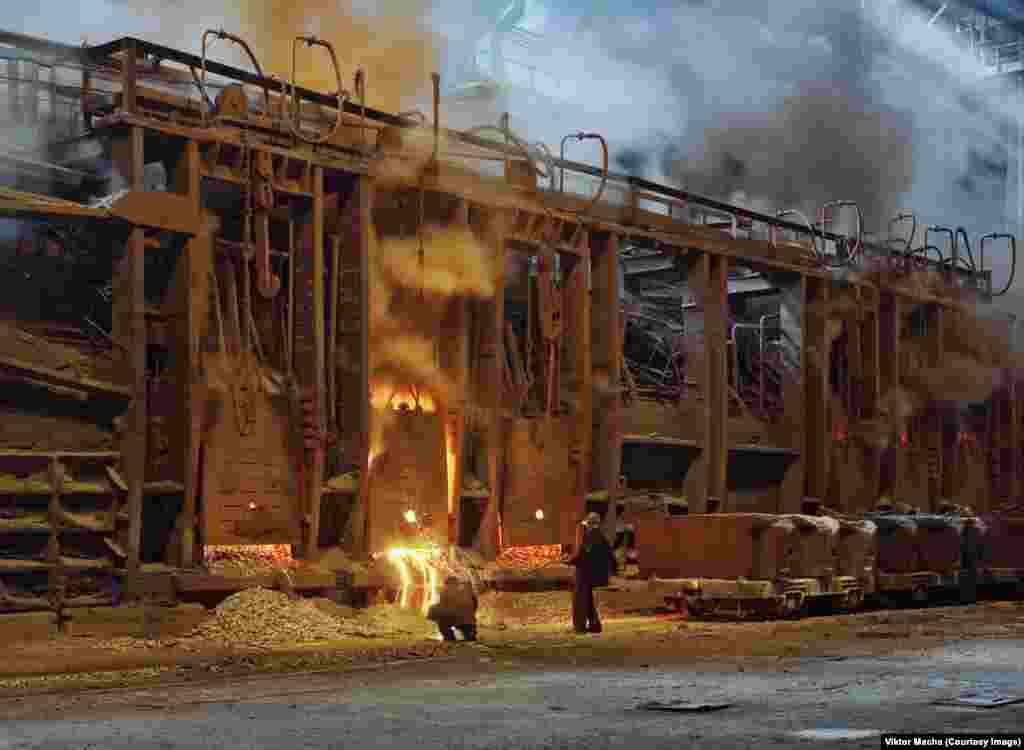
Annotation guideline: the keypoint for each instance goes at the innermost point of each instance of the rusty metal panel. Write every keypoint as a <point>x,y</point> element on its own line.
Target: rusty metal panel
<point>721,545</point>
<point>539,478</point>
<point>411,474</point>
<point>250,492</point>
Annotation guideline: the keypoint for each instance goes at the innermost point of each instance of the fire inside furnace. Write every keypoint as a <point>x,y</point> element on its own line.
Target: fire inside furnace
<point>400,399</point>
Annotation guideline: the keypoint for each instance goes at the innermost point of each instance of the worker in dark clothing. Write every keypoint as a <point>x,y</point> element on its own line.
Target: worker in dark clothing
<point>455,610</point>
<point>595,564</point>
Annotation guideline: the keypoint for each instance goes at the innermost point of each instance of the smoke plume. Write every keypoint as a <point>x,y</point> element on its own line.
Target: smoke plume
<point>410,293</point>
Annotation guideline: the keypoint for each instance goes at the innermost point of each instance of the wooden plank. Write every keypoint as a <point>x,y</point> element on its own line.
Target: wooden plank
<point>584,430</point>
<point>362,229</point>
<point>197,251</point>
<point>606,363</point>
<point>328,158</point>
<point>164,211</point>
<point>128,79</point>
<point>63,380</point>
<point>487,540</point>
<point>815,362</point>
<point>457,417</point>
<point>872,384</point>
<point>938,482</point>
<point>714,274</point>
<point>316,466</point>
<point>131,289</point>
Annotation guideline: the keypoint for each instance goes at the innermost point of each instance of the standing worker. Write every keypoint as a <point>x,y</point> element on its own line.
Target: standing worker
<point>455,610</point>
<point>595,564</point>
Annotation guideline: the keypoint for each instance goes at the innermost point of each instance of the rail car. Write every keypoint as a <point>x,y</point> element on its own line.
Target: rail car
<point>785,565</point>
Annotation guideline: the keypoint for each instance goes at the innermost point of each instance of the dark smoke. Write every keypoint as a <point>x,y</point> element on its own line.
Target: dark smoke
<point>632,161</point>
<point>834,138</point>
<point>824,144</point>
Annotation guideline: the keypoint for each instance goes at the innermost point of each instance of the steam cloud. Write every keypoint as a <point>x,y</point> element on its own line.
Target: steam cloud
<point>407,302</point>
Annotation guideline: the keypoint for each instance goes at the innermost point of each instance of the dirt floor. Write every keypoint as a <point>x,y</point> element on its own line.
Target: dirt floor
<point>838,680</point>
<point>531,628</point>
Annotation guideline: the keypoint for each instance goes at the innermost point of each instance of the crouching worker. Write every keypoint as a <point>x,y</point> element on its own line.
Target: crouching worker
<point>455,610</point>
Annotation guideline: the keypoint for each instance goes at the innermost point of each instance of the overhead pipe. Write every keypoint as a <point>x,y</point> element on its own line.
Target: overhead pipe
<point>1013,258</point>
<point>342,96</point>
<point>952,242</point>
<point>409,119</point>
<point>734,224</point>
<point>900,217</point>
<point>91,54</point>
<point>799,215</point>
<point>961,232</point>
<point>222,34</point>
<point>582,136</point>
<point>824,221</point>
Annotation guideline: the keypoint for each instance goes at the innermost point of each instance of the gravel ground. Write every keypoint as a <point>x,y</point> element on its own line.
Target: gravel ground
<point>494,701</point>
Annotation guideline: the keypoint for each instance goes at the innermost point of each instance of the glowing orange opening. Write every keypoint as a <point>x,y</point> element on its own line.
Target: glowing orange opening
<point>533,555</point>
<point>279,553</point>
<point>399,398</point>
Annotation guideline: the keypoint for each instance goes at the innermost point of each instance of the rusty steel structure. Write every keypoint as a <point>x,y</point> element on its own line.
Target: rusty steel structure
<point>284,342</point>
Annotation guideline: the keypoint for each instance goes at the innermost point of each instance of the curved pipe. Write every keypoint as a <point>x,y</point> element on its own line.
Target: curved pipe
<point>581,136</point>
<point>435,79</point>
<point>343,96</point>
<point>860,227</point>
<point>517,142</point>
<point>961,232</point>
<point>1013,258</point>
<point>800,215</point>
<point>359,83</point>
<point>952,241</point>
<point>222,34</point>
<point>903,216</point>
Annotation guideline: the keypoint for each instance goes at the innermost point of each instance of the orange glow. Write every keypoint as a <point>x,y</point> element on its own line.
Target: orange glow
<point>426,562</point>
<point>533,555</point>
<point>967,439</point>
<point>449,452</point>
<point>398,398</point>
<point>281,553</point>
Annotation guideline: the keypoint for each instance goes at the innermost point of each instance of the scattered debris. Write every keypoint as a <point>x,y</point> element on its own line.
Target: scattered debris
<point>980,698</point>
<point>836,734</point>
<point>262,618</point>
<point>681,706</point>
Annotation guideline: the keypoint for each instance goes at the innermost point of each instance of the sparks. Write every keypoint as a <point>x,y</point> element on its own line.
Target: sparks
<point>424,560</point>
